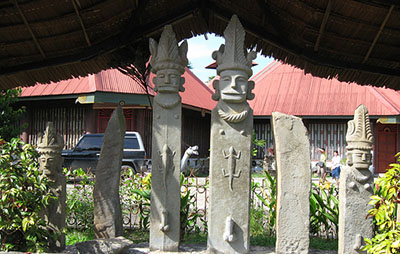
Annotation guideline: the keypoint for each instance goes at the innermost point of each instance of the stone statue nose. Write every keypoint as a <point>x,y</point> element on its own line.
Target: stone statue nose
<point>233,84</point>
<point>364,157</point>
<point>167,79</point>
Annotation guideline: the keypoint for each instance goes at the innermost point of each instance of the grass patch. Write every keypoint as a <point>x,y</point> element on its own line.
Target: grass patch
<point>195,238</point>
<point>257,175</point>
<point>73,236</point>
<point>137,236</point>
<point>257,238</point>
<point>323,244</point>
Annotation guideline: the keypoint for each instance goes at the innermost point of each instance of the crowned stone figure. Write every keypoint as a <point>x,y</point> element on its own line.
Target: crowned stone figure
<point>356,185</point>
<point>230,153</point>
<point>168,61</point>
<point>49,146</point>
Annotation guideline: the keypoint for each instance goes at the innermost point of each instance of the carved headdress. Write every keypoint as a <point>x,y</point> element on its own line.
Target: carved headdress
<point>167,54</point>
<point>50,142</point>
<point>232,56</point>
<point>359,134</point>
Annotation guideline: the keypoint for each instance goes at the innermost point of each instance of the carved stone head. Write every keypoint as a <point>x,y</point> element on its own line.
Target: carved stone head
<point>233,66</point>
<point>168,61</point>
<point>359,139</point>
<point>49,146</point>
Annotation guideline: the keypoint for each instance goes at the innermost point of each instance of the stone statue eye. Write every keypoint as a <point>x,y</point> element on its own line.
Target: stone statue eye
<point>226,78</point>
<point>161,75</point>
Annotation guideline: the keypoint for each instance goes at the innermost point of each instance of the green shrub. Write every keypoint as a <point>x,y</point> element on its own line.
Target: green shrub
<point>10,117</point>
<point>387,235</point>
<point>79,204</point>
<point>324,206</point>
<point>23,195</point>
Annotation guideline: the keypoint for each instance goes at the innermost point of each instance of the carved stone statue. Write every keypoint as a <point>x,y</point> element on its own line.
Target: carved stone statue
<point>49,146</point>
<point>230,156</point>
<point>356,185</point>
<point>168,61</point>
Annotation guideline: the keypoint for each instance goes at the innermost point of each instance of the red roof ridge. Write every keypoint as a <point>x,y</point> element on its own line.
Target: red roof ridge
<point>197,78</point>
<point>266,70</point>
<point>383,98</point>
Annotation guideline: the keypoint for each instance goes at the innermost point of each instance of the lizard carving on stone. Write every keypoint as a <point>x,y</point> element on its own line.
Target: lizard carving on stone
<point>231,157</point>
<point>166,162</point>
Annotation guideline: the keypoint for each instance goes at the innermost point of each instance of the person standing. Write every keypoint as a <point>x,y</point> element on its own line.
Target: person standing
<point>336,167</point>
<point>322,165</point>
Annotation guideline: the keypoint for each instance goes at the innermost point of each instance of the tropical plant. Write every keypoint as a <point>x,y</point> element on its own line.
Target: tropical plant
<point>135,192</point>
<point>190,217</point>
<point>24,194</point>
<point>385,204</point>
<point>79,203</point>
<point>267,196</point>
<point>9,116</point>
<point>257,143</point>
<point>324,209</point>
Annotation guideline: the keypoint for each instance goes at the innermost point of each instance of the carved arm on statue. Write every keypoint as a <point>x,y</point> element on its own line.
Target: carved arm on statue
<point>228,233</point>
<point>164,227</point>
<point>358,242</point>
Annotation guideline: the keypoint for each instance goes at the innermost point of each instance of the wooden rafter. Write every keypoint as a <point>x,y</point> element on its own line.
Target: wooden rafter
<point>324,21</point>
<point>81,22</point>
<point>259,31</point>
<point>35,40</point>
<point>378,34</point>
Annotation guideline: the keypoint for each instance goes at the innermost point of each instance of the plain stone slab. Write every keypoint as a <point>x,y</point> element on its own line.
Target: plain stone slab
<point>107,206</point>
<point>292,151</point>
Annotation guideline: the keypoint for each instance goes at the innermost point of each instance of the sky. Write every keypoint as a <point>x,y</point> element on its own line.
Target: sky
<point>199,55</point>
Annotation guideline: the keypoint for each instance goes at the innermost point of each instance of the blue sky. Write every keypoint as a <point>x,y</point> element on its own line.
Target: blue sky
<point>199,55</point>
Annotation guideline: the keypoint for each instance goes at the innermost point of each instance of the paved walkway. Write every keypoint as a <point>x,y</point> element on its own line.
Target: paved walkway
<point>202,249</point>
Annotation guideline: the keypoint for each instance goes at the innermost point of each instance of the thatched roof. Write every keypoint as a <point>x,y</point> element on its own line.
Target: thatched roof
<point>47,40</point>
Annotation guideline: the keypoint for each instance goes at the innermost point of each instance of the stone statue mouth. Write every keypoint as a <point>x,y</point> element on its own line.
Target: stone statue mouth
<point>233,93</point>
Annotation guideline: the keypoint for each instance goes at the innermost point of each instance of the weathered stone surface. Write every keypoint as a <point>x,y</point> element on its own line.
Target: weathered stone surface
<point>118,245</point>
<point>50,160</point>
<point>230,155</point>
<point>107,207</point>
<point>292,151</point>
<point>168,62</point>
<point>356,185</point>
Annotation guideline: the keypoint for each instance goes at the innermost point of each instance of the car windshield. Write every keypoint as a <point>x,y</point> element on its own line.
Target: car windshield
<point>131,142</point>
<point>90,143</point>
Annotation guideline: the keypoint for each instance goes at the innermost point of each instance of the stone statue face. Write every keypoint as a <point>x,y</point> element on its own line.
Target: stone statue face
<point>49,163</point>
<point>233,86</point>
<point>168,81</point>
<point>360,159</point>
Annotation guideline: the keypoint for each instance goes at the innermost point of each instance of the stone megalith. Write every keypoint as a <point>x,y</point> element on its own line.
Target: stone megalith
<point>49,146</point>
<point>356,185</point>
<point>230,154</point>
<point>168,61</point>
<point>292,151</point>
<point>107,207</point>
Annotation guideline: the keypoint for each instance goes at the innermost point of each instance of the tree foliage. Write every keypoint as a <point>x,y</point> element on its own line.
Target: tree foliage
<point>385,202</point>
<point>9,116</point>
<point>23,196</point>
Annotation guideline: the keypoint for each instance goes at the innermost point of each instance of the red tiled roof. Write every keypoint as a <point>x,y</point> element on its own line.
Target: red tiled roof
<point>283,88</point>
<point>196,94</point>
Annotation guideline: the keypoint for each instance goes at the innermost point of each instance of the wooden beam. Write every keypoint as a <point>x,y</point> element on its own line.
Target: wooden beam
<point>134,34</point>
<point>324,21</point>
<point>29,29</point>
<point>378,34</point>
<point>308,56</point>
<point>81,22</point>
